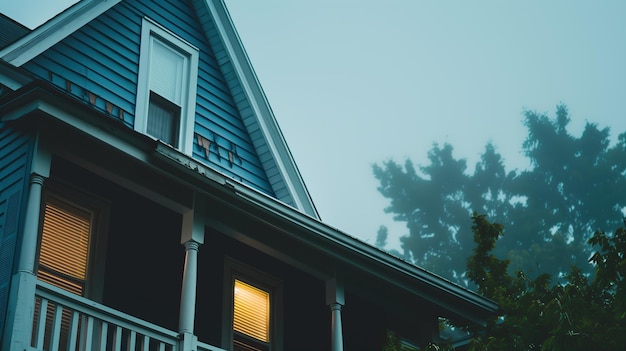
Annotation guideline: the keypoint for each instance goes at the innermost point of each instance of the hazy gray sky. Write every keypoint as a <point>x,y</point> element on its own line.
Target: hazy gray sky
<point>357,82</point>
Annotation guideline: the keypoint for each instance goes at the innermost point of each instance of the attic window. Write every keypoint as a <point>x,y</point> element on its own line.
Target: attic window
<point>166,89</point>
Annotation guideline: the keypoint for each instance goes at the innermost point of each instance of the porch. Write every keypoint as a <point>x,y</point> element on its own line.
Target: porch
<point>73,323</point>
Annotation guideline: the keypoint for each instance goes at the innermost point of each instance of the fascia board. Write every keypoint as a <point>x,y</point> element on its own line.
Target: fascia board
<point>55,30</point>
<point>266,120</point>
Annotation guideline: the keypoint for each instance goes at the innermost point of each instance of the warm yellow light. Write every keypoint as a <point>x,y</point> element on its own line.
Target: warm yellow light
<point>64,249</point>
<point>251,311</point>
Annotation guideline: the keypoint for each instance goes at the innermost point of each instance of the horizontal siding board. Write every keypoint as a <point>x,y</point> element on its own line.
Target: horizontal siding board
<point>221,101</point>
<point>214,80</point>
<point>209,71</point>
<point>209,113</point>
<point>105,68</point>
<point>119,58</point>
<point>42,65</point>
<point>108,72</point>
<point>210,119</point>
<point>93,77</point>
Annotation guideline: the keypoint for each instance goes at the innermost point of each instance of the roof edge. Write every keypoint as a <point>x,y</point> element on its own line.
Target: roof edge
<point>262,110</point>
<point>55,30</point>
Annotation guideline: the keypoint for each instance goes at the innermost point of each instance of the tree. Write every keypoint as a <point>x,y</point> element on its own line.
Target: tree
<point>576,315</point>
<point>430,206</point>
<point>574,186</point>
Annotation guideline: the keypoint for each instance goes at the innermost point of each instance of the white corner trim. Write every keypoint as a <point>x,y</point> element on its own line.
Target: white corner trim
<point>55,30</point>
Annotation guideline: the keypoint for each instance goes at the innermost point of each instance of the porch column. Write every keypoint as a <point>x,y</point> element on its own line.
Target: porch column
<point>336,337</point>
<point>188,294</point>
<point>335,300</point>
<point>192,236</point>
<point>18,330</point>
<point>28,252</point>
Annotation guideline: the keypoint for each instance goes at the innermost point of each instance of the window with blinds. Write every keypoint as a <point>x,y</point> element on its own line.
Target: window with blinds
<point>251,314</point>
<point>167,85</point>
<point>251,317</point>
<point>167,68</point>
<point>64,251</point>
<point>252,308</point>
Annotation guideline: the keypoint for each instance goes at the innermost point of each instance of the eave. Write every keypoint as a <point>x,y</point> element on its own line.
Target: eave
<point>312,236</point>
<point>53,31</point>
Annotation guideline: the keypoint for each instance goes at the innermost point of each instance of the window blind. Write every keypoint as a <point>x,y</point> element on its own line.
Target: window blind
<point>64,249</point>
<point>166,72</point>
<point>251,311</point>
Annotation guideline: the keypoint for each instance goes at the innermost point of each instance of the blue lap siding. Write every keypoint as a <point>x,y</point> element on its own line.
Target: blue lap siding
<point>101,61</point>
<point>15,156</point>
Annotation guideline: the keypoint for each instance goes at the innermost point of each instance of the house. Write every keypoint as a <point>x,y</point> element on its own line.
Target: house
<point>148,200</point>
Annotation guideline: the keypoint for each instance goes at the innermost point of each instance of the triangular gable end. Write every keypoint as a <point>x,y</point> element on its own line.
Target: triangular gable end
<point>252,103</point>
<point>260,123</point>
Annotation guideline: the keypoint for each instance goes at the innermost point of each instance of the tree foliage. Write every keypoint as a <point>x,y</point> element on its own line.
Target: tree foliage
<point>573,187</point>
<point>579,314</point>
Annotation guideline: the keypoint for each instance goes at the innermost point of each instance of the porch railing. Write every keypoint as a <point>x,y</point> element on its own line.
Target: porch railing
<point>73,323</point>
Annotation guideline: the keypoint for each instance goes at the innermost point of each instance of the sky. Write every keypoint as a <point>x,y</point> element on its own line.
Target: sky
<point>354,83</point>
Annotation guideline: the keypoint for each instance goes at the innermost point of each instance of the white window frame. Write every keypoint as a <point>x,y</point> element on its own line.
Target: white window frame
<point>236,270</point>
<point>151,31</point>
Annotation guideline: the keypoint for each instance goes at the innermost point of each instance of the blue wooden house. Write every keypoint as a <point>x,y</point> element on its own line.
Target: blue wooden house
<point>148,201</point>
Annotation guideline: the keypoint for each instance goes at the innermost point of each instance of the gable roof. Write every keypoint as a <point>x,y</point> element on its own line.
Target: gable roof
<point>256,113</point>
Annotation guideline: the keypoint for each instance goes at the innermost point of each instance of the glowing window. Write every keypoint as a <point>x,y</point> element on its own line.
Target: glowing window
<point>252,309</point>
<point>251,314</point>
<point>64,249</point>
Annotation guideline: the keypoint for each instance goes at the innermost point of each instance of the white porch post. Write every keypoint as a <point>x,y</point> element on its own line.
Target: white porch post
<point>336,338</point>
<point>335,299</point>
<point>21,311</point>
<point>188,294</point>
<point>192,236</point>
<point>31,226</point>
